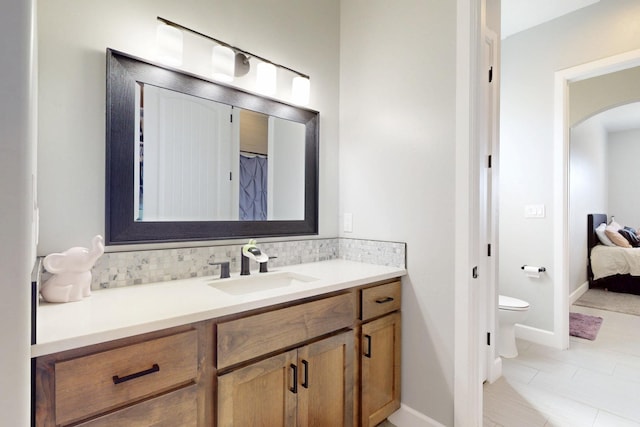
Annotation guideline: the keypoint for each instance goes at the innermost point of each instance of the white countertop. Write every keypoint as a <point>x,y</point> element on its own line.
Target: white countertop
<point>121,312</point>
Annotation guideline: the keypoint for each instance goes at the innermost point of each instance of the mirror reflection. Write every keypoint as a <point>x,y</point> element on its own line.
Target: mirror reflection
<point>191,159</point>
<point>200,160</point>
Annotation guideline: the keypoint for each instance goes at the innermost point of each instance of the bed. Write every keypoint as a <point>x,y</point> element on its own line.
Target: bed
<point>616,269</point>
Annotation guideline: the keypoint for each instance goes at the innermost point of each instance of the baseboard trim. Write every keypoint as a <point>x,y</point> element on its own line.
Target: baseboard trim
<point>495,371</point>
<point>575,295</point>
<point>536,335</point>
<point>409,417</point>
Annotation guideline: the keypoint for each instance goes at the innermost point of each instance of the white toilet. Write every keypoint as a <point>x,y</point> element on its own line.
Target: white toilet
<point>510,311</point>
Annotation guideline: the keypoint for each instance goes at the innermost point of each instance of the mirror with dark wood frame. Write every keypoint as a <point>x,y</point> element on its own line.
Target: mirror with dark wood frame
<point>296,173</point>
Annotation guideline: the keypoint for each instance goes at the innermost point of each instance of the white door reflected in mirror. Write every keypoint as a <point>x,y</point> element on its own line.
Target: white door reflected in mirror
<point>200,160</point>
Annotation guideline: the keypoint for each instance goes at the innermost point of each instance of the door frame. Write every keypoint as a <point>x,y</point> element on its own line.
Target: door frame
<point>467,387</point>
<point>490,192</point>
<point>561,178</point>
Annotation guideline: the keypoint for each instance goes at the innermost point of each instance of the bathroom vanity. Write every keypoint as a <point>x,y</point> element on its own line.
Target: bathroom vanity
<point>314,343</point>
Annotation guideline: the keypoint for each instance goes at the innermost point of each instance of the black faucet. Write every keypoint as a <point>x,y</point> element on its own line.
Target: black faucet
<point>250,251</point>
<point>244,263</point>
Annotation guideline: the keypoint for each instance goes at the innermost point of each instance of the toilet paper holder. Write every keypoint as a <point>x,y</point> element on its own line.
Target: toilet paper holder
<point>540,269</point>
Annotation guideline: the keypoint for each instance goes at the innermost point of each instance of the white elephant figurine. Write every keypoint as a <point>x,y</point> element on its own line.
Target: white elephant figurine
<point>71,269</point>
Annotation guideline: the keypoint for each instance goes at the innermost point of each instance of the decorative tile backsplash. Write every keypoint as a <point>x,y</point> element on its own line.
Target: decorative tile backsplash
<point>115,269</point>
<point>392,254</point>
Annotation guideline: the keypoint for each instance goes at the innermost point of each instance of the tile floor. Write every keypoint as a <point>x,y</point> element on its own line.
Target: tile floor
<point>593,384</point>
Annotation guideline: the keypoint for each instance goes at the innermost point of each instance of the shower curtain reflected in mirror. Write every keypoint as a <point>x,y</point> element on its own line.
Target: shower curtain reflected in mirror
<point>253,187</point>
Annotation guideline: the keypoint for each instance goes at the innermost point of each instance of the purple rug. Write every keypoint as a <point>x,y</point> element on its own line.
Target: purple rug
<point>584,326</point>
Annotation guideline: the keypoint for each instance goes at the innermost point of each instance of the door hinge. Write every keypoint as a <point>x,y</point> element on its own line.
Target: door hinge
<point>230,176</point>
<point>474,272</point>
<point>488,338</point>
<point>489,249</point>
<point>231,117</point>
<point>489,161</point>
<point>490,74</point>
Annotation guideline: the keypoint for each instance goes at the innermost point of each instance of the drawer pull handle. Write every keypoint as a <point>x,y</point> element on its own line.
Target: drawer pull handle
<point>384,300</point>
<point>118,380</point>
<point>294,370</point>
<point>305,382</point>
<point>367,352</point>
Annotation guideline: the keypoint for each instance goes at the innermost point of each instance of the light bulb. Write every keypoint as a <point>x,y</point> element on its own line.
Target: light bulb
<point>223,60</point>
<point>266,78</point>
<point>300,90</point>
<point>169,44</point>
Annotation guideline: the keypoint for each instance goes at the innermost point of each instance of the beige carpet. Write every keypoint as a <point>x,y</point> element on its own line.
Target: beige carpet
<point>610,301</point>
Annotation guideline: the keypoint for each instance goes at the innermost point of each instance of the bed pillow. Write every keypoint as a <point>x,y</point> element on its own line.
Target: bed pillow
<point>602,236</point>
<point>614,225</point>
<point>617,238</point>
<point>630,237</point>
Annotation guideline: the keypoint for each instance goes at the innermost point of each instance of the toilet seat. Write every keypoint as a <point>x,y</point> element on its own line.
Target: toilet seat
<point>511,304</point>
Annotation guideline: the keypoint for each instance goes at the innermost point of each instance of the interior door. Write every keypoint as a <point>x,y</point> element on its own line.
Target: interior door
<point>187,157</point>
<point>488,208</point>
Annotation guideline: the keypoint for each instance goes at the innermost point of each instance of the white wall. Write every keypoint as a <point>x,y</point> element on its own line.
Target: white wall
<point>529,61</point>
<point>587,191</point>
<point>624,175</point>
<point>397,170</point>
<point>303,35</point>
<point>17,164</point>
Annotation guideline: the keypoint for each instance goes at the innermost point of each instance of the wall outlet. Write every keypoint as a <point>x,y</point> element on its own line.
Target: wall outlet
<point>534,211</point>
<point>347,223</point>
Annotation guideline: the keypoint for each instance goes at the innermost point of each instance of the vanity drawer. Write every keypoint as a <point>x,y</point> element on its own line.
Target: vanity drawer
<point>92,384</point>
<point>250,337</point>
<point>178,408</point>
<point>381,299</point>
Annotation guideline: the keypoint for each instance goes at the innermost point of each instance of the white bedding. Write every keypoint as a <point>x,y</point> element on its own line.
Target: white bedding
<point>608,261</point>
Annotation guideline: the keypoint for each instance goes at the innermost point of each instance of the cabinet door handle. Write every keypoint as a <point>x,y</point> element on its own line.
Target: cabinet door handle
<point>367,352</point>
<point>118,380</point>
<point>305,382</point>
<point>294,370</point>
<point>384,300</point>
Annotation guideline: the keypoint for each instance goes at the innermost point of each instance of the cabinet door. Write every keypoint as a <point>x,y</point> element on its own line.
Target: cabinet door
<point>261,394</point>
<point>380,369</point>
<point>326,382</point>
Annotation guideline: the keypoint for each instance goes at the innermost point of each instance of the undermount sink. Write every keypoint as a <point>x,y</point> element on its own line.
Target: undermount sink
<point>259,282</point>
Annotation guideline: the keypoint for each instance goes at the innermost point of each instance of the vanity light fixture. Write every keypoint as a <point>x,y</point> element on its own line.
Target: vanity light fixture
<point>229,62</point>
<point>169,44</point>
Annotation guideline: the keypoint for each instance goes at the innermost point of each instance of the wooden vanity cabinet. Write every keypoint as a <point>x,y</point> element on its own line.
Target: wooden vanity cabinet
<point>309,384</point>
<point>155,379</point>
<point>293,364</point>
<point>380,352</point>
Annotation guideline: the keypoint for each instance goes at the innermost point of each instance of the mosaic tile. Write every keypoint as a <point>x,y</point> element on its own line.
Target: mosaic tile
<point>117,269</point>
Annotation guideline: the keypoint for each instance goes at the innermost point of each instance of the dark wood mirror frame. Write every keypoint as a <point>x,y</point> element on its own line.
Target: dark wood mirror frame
<point>123,73</point>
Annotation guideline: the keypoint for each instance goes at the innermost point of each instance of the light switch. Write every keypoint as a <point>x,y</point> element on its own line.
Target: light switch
<point>534,211</point>
<point>348,223</point>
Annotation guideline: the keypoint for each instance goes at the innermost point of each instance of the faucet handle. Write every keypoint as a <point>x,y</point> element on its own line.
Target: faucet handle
<point>224,268</point>
<point>263,265</point>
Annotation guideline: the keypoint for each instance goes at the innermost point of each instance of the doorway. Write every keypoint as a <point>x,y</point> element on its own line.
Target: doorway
<point>561,180</point>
